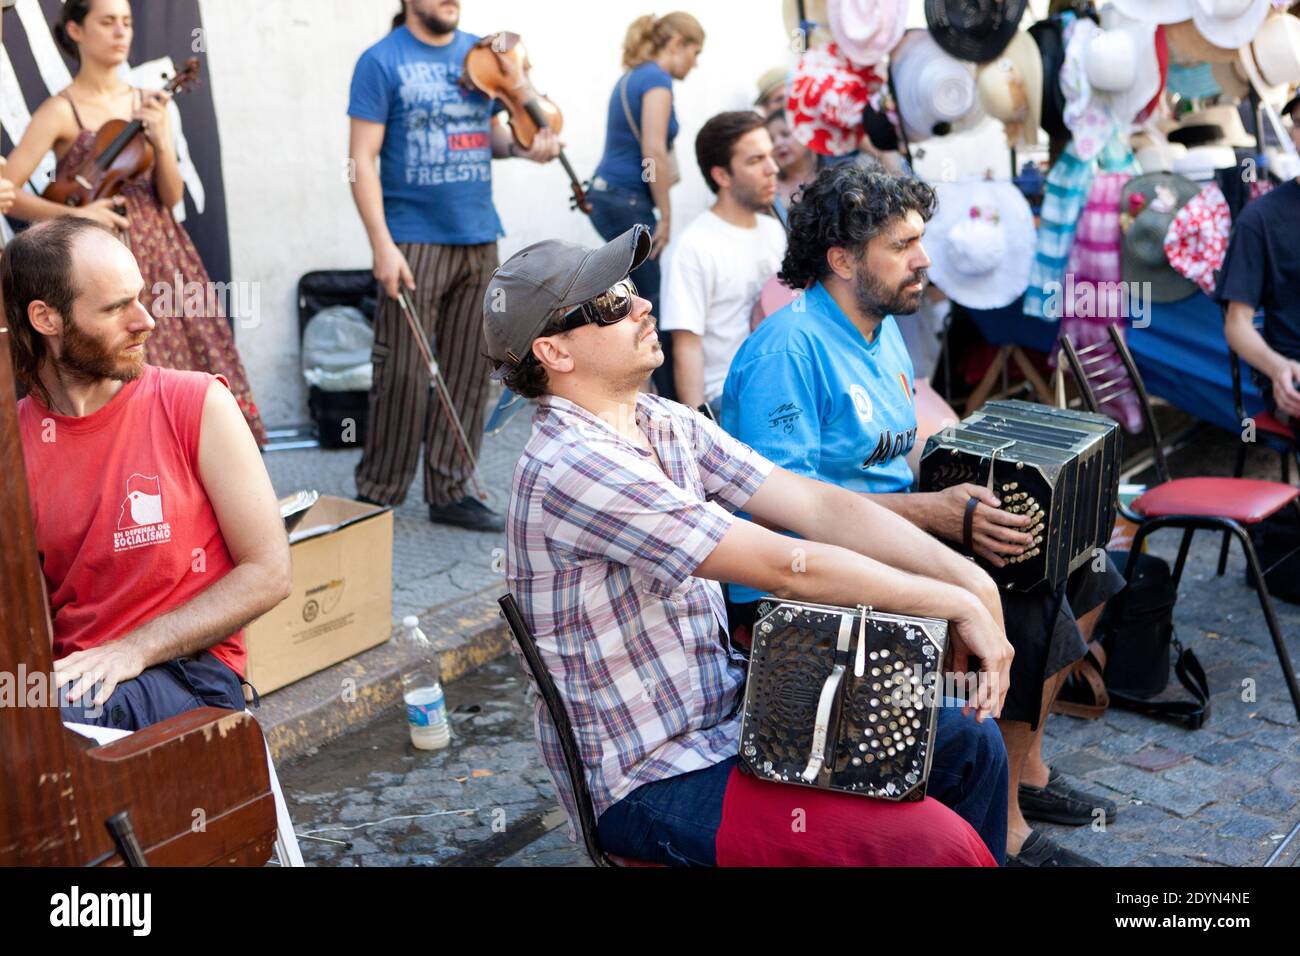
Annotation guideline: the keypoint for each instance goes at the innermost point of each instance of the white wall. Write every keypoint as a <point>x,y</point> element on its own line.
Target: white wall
<point>280,71</point>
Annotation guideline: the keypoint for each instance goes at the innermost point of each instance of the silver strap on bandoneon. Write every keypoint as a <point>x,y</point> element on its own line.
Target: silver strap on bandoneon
<point>821,723</point>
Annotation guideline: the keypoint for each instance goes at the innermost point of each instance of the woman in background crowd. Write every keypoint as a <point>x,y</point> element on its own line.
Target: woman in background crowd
<point>638,166</point>
<point>191,331</point>
<point>773,86</point>
<point>797,163</point>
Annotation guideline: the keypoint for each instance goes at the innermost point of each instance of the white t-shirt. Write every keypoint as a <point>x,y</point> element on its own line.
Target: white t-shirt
<point>715,275</point>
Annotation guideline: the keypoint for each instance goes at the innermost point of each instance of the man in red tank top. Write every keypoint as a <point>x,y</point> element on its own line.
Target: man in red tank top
<point>157,527</point>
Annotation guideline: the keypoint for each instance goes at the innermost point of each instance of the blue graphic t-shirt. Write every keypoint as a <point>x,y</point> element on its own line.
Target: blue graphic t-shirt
<point>436,161</point>
<point>809,392</point>
<point>620,165</point>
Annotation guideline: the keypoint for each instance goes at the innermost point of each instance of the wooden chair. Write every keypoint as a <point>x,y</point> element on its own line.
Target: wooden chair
<point>550,695</point>
<point>1192,504</point>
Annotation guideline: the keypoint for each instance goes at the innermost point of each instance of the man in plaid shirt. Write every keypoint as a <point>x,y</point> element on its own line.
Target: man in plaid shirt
<point>619,527</point>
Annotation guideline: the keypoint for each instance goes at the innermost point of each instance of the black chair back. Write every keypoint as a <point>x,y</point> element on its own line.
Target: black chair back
<point>560,717</point>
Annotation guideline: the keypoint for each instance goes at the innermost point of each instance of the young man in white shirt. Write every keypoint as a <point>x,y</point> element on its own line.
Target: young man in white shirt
<point>721,261</point>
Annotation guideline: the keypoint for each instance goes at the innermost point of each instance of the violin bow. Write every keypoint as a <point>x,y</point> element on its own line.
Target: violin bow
<point>440,386</point>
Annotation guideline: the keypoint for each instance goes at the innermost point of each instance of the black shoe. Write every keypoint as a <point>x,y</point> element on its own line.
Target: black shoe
<point>1040,850</point>
<point>467,513</point>
<point>1058,802</point>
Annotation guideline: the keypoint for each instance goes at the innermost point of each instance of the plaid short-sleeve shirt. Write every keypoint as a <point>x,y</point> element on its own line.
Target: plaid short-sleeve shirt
<point>601,549</point>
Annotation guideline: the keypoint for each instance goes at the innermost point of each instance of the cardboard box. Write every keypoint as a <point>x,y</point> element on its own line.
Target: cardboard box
<point>342,600</point>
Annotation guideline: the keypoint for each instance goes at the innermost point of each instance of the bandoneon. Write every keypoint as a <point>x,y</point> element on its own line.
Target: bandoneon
<point>843,699</point>
<point>1059,466</point>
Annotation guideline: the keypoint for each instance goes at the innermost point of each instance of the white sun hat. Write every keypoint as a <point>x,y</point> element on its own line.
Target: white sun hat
<point>1272,60</point>
<point>1122,65</point>
<point>936,91</point>
<point>981,243</point>
<point>1229,23</point>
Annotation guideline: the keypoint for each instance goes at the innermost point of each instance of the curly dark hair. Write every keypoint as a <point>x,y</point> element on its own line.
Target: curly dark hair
<point>847,205</point>
<point>528,378</point>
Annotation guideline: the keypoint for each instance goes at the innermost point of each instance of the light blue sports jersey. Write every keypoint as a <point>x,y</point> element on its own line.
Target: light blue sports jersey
<point>809,392</point>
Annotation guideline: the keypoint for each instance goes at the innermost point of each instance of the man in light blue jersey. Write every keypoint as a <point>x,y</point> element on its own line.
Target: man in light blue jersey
<point>824,389</point>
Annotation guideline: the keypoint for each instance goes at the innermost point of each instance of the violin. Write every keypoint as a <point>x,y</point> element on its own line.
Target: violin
<point>120,155</point>
<point>498,67</point>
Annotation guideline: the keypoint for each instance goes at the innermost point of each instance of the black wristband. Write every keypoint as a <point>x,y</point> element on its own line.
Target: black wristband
<point>968,523</point>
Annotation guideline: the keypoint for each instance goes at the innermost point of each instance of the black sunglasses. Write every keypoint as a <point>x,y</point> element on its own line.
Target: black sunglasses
<point>611,306</point>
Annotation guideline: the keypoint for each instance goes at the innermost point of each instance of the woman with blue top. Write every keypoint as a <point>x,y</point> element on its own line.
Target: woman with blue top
<point>638,166</point>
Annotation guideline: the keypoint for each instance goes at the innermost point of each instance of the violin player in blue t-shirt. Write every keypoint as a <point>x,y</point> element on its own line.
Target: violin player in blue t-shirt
<point>421,152</point>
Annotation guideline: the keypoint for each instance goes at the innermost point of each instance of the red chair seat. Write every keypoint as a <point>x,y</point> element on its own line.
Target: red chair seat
<point>1245,500</point>
<point>1268,423</point>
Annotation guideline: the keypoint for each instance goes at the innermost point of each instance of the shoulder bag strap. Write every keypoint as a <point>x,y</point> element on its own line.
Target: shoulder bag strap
<point>1193,713</point>
<point>627,110</point>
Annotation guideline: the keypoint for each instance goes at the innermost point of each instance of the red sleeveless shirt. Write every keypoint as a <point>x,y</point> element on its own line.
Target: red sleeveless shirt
<point>124,526</point>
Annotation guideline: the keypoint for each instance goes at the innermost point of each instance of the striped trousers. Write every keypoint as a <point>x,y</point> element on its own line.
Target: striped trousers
<point>404,411</point>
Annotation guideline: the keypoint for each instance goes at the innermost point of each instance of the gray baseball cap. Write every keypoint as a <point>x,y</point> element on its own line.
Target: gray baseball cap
<point>546,277</point>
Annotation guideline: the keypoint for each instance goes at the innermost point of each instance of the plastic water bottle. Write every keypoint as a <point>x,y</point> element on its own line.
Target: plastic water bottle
<point>426,707</point>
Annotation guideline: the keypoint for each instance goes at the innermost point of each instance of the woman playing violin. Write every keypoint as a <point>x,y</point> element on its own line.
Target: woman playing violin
<point>191,330</point>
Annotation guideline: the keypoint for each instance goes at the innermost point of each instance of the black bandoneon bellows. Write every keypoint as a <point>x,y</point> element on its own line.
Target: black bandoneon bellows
<point>843,699</point>
<point>1057,465</point>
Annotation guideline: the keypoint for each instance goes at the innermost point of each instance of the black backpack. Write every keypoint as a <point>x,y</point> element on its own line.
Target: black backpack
<point>1128,662</point>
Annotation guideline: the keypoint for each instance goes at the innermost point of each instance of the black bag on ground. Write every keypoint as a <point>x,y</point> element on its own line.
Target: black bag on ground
<point>1277,544</point>
<point>1137,631</point>
<point>341,418</point>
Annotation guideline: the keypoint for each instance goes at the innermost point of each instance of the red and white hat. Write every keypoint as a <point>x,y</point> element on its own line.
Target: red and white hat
<point>828,94</point>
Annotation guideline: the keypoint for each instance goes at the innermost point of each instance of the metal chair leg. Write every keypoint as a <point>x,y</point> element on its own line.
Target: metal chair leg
<point>1266,603</point>
<point>1238,471</point>
<point>1223,553</point>
<point>1182,555</point>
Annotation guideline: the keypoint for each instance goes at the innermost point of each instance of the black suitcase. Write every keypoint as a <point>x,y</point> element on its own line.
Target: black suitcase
<point>340,417</point>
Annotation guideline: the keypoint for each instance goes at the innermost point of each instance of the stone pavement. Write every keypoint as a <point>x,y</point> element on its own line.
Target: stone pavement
<point>1223,795</point>
<point>484,800</point>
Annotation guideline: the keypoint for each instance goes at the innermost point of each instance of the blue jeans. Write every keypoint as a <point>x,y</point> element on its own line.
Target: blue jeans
<point>162,691</point>
<point>675,821</point>
<point>615,210</point>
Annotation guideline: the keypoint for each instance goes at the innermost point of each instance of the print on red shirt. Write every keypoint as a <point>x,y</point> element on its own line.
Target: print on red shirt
<point>140,522</point>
